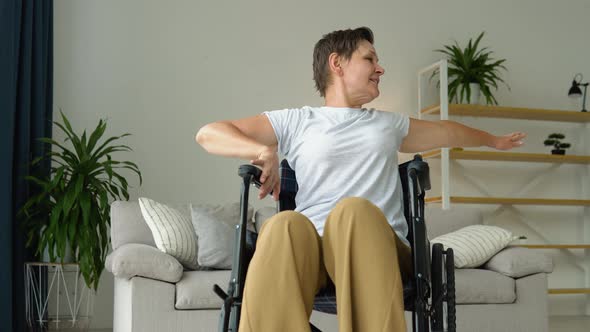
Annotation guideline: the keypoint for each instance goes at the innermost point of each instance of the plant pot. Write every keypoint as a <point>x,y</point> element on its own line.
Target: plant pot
<point>558,151</point>
<point>68,257</point>
<point>475,93</point>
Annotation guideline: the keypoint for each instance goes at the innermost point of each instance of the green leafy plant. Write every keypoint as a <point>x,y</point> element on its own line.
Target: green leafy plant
<point>472,65</point>
<point>555,141</point>
<point>72,207</point>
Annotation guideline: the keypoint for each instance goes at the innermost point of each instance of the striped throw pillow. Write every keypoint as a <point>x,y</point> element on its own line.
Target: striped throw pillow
<point>476,244</point>
<point>172,231</point>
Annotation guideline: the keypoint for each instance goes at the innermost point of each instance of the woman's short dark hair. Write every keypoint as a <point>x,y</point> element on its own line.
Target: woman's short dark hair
<point>343,43</point>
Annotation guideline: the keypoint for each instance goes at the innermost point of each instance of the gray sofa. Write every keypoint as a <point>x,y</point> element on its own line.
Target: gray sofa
<point>153,293</point>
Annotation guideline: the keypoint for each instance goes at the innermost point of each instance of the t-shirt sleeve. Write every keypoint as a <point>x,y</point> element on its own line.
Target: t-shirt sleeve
<point>284,123</point>
<point>401,122</point>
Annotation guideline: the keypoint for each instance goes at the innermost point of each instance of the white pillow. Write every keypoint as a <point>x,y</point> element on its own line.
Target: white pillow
<point>215,225</point>
<point>476,244</point>
<point>172,231</point>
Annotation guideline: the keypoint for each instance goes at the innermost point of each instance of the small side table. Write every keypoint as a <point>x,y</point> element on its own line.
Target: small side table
<point>56,296</point>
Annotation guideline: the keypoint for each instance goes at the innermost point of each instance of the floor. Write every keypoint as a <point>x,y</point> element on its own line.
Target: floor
<point>556,324</point>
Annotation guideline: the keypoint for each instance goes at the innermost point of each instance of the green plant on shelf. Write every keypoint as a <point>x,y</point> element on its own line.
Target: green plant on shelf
<point>472,68</point>
<point>555,141</point>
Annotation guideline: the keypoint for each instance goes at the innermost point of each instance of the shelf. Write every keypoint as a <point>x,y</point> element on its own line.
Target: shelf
<point>460,154</point>
<point>511,113</point>
<point>496,116</point>
<point>553,246</point>
<point>569,291</point>
<point>510,201</point>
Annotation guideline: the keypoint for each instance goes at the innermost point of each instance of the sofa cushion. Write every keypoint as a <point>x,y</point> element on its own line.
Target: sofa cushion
<point>195,289</point>
<point>173,232</point>
<point>133,259</point>
<point>128,225</point>
<point>472,286</point>
<point>439,221</point>
<point>474,245</point>
<point>483,286</point>
<point>262,215</point>
<point>518,262</point>
<point>215,226</point>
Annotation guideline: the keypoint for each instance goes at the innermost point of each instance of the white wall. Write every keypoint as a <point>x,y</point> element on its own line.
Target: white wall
<point>160,70</point>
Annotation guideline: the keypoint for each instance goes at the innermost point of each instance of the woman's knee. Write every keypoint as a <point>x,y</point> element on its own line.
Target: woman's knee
<point>357,205</point>
<point>288,220</point>
<point>356,209</point>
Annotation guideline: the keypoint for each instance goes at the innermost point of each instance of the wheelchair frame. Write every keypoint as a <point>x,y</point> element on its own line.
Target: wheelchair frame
<point>433,280</point>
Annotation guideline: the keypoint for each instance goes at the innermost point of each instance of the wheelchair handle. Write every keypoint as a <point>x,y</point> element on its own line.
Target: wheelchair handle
<point>255,172</point>
<point>421,170</point>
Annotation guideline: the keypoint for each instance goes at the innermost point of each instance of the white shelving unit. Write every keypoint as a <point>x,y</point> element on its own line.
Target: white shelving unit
<point>448,158</point>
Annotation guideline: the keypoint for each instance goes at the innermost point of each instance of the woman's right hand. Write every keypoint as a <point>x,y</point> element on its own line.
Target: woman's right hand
<point>268,161</point>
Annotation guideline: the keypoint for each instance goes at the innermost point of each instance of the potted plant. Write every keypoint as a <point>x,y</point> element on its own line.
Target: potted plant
<point>72,208</point>
<point>472,71</point>
<point>555,141</point>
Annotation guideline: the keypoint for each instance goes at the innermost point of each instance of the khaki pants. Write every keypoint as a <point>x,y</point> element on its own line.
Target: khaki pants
<point>359,252</point>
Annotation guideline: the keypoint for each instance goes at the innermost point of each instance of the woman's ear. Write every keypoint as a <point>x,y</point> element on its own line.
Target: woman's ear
<point>334,60</point>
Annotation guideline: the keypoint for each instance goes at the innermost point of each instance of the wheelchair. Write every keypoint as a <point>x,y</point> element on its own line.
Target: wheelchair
<point>430,291</point>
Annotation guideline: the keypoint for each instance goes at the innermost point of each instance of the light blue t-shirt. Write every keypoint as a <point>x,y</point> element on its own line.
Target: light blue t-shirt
<point>343,152</point>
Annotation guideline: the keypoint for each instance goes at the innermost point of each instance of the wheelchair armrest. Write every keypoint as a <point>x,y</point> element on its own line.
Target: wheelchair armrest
<point>255,172</point>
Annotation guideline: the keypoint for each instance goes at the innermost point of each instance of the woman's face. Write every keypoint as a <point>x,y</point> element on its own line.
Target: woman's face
<point>361,74</point>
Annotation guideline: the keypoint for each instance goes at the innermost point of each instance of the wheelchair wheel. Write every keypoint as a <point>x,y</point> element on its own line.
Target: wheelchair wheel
<point>437,274</point>
<point>450,296</point>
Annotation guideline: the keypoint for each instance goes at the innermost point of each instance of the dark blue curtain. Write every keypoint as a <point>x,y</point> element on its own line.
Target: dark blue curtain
<point>26,89</point>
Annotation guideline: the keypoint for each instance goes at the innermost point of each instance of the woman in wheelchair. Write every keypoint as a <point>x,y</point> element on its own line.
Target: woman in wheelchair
<point>348,228</point>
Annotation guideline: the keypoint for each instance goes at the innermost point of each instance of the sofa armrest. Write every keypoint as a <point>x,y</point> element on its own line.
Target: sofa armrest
<point>519,262</point>
<point>134,259</point>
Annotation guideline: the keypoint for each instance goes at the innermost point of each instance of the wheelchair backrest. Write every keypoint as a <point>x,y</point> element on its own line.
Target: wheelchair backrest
<point>289,187</point>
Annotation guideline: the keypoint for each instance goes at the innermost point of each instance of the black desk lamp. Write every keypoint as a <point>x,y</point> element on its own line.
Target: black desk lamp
<point>575,91</point>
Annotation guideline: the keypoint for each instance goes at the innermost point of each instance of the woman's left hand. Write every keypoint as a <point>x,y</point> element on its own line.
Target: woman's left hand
<point>509,141</point>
